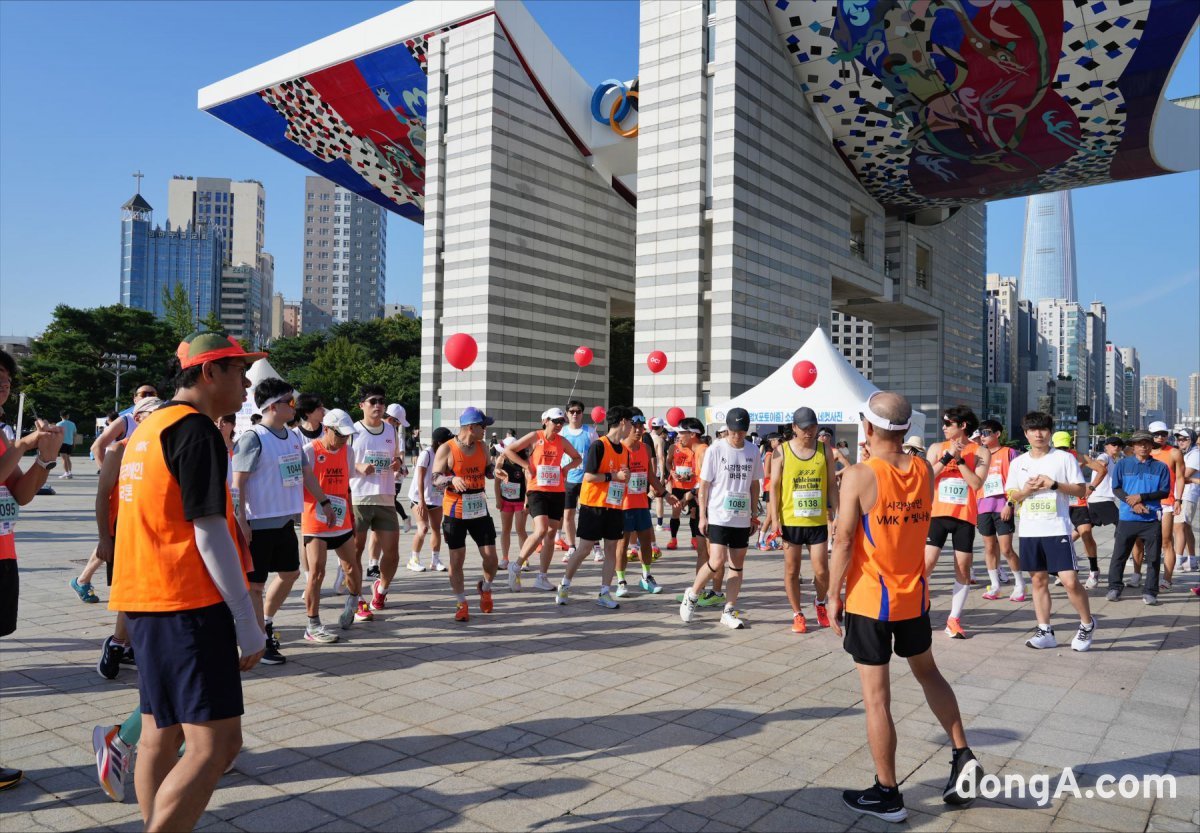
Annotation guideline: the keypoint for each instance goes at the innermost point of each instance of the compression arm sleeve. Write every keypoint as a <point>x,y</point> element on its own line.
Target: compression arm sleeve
<point>225,567</point>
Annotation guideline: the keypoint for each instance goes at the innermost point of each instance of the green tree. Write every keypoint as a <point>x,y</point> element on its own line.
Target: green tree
<point>177,311</point>
<point>212,323</point>
<point>335,374</point>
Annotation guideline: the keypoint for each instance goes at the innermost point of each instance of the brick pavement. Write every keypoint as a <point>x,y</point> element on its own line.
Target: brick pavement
<point>570,719</point>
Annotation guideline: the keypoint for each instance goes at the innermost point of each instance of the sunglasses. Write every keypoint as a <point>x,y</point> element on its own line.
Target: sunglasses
<point>949,422</point>
<point>985,432</point>
<point>375,400</point>
<point>142,394</point>
<point>574,411</point>
<point>639,420</point>
<point>559,421</point>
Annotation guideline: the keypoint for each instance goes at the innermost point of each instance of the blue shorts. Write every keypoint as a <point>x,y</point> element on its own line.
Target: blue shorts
<point>637,520</point>
<point>187,665</point>
<point>1049,554</point>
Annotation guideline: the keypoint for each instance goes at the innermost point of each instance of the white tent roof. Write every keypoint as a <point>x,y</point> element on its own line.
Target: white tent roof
<point>258,371</point>
<point>837,394</point>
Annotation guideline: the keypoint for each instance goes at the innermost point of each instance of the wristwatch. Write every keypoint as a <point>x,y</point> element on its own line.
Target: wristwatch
<point>326,502</point>
<point>46,464</point>
<point>1054,485</point>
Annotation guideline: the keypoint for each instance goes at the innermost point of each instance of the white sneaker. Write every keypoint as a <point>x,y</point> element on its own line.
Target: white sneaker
<point>1093,581</point>
<point>687,607</point>
<point>1134,581</point>
<point>339,583</point>
<point>514,576</point>
<point>408,525</point>
<point>1083,637</point>
<point>542,583</point>
<point>561,595</point>
<point>732,620</point>
<point>435,563</point>
<point>1042,639</point>
<point>1163,585</point>
<point>607,601</point>
<point>64,476</point>
<point>597,553</point>
<point>567,555</point>
<point>1057,581</point>
<point>414,563</point>
<point>622,589</point>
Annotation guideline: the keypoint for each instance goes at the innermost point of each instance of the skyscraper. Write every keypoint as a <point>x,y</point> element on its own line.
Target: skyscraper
<point>1048,258</point>
<point>1160,399</point>
<point>1097,334</point>
<point>1114,387</point>
<point>1194,396</point>
<point>1133,387</point>
<point>345,256</point>
<point>852,337</point>
<point>1063,325</point>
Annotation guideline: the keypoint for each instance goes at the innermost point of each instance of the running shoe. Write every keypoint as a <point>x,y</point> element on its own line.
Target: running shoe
<point>1083,638</point>
<point>822,616</point>
<point>561,595</point>
<point>650,585</point>
<point>732,620</point>
<point>436,564</point>
<point>114,760</point>
<point>635,551</point>
<point>1134,581</point>
<point>485,598</point>
<point>128,658</point>
<point>503,565</point>
<point>672,544</point>
<point>1163,585</point>
<point>9,778</point>
<point>622,589</point>
<point>378,598</point>
<point>1057,581</point>
<point>363,612</point>
<point>568,555</point>
<point>1005,575</point>
<point>1149,599</point>
<point>561,543</point>
<point>687,607</point>
<point>514,576</point>
<point>965,775</point>
<point>1042,639</point>
<point>462,613</point>
<point>319,634</point>
<point>271,654</point>
<point>373,570</point>
<point>85,592</point>
<point>954,629</point>
<point>798,623</point>
<point>694,542</point>
<point>1196,590</point>
<point>873,802</point>
<point>110,658</point>
<point>1017,597</point>
<point>991,594</point>
<point>710,598</point>
<point>606,601</point>
<point>1114,594</point>
<point>347,617</point>
<point>597,554</point>
<point>542,583</point>
<point>414,564</point>
<point>655,553</point>
<point>1093,581</point>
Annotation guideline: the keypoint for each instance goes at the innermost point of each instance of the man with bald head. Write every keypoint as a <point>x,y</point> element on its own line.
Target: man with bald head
<point>885,505</point>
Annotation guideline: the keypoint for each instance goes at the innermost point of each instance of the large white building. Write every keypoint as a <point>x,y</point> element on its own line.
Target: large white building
<point>1063,326</point>
<point>1160,399</point>
<point>1114,387</point>
<point>1133,387</point>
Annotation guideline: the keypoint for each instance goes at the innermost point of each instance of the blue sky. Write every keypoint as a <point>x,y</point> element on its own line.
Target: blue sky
<point>90,92</point>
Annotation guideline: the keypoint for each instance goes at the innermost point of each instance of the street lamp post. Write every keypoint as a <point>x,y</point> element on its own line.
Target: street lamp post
<point>116,364</point>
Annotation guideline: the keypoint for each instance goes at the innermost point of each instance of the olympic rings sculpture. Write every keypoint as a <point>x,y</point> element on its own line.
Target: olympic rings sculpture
<point>623,102</point>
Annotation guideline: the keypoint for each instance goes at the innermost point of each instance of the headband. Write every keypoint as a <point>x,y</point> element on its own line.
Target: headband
<point>879,421</point>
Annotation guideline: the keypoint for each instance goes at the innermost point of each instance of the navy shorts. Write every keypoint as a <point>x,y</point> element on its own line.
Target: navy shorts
<point>637,520</point>
<point>187,665</point>
<point>1047,554</point>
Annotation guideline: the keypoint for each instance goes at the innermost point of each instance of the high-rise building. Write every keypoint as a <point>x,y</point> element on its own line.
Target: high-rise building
<point>1028,354</point>
<point>154,260</point>
<point>1063,326</point>
<point>1097,334</point>
<point>1160,399</point>
<point>1194,396</point>
<point>1002,311</point>
<point>1048,257</point>
<point>853,337</point>
<point>285,317</point>
<point>1114,388</point>
<point>345,255</point>
<point>1133,387</point>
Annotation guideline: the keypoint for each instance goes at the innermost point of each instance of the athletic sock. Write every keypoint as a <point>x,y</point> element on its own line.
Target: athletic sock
<point>645,570</point>
<point>603,589</point>
<point>674,528</point>
<point>1088,626</point>
<point>1044,627</point>
<point>131,730</point>
<point>1019,579</point>
<point>487,586</point>
<point>994,576</point>
<point>728,608</point>
<point>621,576</point>
<point>1094,564</point>
<point>690,596</point>
<point>314,621</point>
<point>958,600</point>
<point>566,582</point>
<point>268,620</point>
<point>821,602</point>
<point>462,598</point>
<point>372,563</point>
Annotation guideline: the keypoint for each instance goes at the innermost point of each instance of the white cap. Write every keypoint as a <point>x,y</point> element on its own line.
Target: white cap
<point>339,421</point>
<point>915,441</point>
<point>657,422</point>
<point>553,413</point>
<point>396,412</point>
<point>1155,427</point>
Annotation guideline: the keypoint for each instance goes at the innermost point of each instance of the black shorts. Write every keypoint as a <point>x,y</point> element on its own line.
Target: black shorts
<point>734,537</point>
<point>1080,515</point>
<point>805,535</point>
<point>598,523</point>
<point>273,551</point>
<point>187,665</point>
<point>550,504</point>
<point>482,532</point>
<point>961,533</point>
<point>65,449</point>
<point>1047,554</point>
<point>1104,513</point>
<point>870,641</point>
<point>10,589</point>
<point>682,494</point>
<point>990,524</point>
<point>572,495</point>
<point>331,542</point>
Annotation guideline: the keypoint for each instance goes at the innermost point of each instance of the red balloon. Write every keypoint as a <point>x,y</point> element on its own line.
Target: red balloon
<point>675,416</point>
<point>583,356</point>
<point>461,350</point>
<point>804,373</point>
<point>598,413</point>
<point>657,361</point>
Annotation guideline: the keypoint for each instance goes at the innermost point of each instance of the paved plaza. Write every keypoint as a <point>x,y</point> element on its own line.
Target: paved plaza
<point>569,719</point>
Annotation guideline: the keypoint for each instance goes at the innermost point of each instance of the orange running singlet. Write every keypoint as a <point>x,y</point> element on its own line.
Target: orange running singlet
<point>1163,455</point>
<point>952,497</point>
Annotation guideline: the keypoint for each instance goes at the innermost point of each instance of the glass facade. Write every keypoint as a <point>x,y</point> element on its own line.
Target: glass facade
<point>154,259</point>
<point>1048,258</point>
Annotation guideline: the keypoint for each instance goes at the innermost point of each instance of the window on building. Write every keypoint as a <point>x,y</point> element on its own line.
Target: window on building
<point>924,269</point>
<point>858,233</point>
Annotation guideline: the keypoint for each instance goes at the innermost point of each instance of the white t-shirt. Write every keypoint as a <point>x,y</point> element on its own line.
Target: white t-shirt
<point>433,496</point>
<point>1191,460</point>
<point>1046,513</point>
<point>377,448</point>
<point>1103,492</point>
<point>732,472</point>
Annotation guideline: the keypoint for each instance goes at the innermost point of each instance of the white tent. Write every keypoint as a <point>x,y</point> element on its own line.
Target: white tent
<point>836,395</point>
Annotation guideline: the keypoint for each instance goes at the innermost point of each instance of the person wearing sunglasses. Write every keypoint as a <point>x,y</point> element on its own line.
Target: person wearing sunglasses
<point>995,521</point>
<point>1187,515</point>
<point>1172,458</point>
<point>118,429</point>
<point>580,437</point>
<point>377,451</point>
<point>545,499</point>
<point>271,476</point>
<point>639,526</point>
<point>1081,514</point>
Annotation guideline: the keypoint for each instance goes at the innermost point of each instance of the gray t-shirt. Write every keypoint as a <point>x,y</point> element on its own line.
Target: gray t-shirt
<point>247,450</point>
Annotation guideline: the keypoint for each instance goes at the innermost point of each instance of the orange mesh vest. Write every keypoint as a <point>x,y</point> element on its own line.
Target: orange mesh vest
<point>332,470</point>
<point>637,489</point>
<point>952,497</point>
<point>606,495</point>
<point>471,469</point>
<point>1163,455</point>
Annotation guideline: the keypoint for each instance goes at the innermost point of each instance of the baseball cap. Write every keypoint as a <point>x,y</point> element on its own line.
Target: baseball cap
<point>1117,441</point>
<point>396,412</point>
<point>738,419</point>
<point>1141,437</point>
<point>442,434</point>
<point>915,441</point>
<point>657,422</point>
<point>209,347</point>
<point>339,421</point>
<point>474,416</point>
<point>1186,432</point>
<point>553,413</point>
<point>722,430</point>
<point>1156,427</point>
<point>1061,439</point>
<point>804,418</point>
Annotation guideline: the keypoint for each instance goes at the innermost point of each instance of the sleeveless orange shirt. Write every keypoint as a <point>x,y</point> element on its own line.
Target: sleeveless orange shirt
<point>604,495</point>
<point>637,489</point>
<point>472,469</point>
<point>332,470</point>
<point>1163,455</point>
<point>684,467</point>
<point>886,580</point>
<point>545,465</point>
<point>952,497</point>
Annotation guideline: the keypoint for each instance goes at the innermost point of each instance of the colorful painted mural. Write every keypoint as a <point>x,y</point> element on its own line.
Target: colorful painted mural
<point>946,102</point>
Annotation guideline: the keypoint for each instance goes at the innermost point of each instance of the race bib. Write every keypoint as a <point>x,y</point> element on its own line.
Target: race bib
<point>616,493</point>
<point>510,491</point>
<point>683,473</point>
<point>953,491</point>
<point>8,511</point>
<point>474,505</point>
<point>993,486</point>
<point>637,483</point>
<point>549,475</point>
<point>291,469</point>
<point>379,459</point>
<point>339,509</point>
<point>806,503</point>
<point>738,504</point>
<point>1042,508</point>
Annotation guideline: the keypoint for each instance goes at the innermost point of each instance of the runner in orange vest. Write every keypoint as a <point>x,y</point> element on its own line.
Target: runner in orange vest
<point>639,525</point>
<point>1172,458</point>
<point>883,518</point>
<point>995,520</point>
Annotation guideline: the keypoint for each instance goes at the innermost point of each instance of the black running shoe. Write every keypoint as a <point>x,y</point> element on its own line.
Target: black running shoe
<point>9,778</point>
<point>873,802</point>
<point>965,774</point>
<point>127,658</point>
<point>373,571</point>
<point>110,659</point>
<point>271,655</point>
